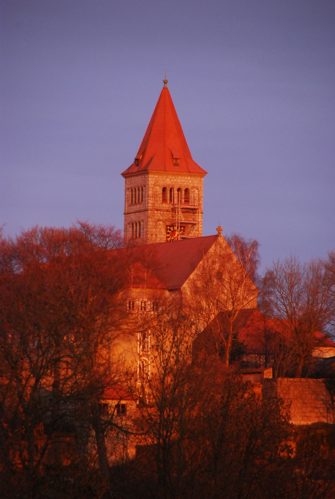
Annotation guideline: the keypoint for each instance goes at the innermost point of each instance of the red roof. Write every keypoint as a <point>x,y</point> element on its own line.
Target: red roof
<point>166,265</point>
<point>324,340</point>
<point>164,147</point>
<point>117,392</point>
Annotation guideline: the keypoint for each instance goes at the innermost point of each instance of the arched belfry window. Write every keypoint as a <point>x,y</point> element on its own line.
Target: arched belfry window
<point>179,195</point>
<point>171,195</point>
<point>137,229</point>
<point>195,197</point>
<point>187,196</point>
<point>164,195</point>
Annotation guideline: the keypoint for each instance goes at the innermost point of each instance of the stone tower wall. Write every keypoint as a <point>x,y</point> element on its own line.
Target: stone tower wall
<point>153,215</point>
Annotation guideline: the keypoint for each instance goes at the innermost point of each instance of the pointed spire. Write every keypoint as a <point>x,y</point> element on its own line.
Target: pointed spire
<point>164,147</point>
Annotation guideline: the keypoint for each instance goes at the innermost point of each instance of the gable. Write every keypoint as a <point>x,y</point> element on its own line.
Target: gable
<point>220,276</point>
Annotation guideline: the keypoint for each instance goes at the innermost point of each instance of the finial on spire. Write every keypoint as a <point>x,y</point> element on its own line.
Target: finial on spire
<point>219,230</point>
<point>165,81</point>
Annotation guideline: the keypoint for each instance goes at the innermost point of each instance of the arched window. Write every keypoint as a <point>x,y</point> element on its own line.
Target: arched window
<point>195,196</point>
<point>187,196</point>
<point>171,197</point>
<point>142,189</point>
<point>179,195</point>
<point>164,195</point>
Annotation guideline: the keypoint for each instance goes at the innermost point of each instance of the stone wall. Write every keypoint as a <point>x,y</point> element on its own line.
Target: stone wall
<point>308,401</point>
<point>153,214</point>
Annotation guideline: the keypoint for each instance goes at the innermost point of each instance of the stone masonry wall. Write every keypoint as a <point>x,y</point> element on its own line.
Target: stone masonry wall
<point>152,213</point>
<point>308,400</point>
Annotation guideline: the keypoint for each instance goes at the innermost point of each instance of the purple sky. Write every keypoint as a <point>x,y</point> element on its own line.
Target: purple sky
<point>253,83</point>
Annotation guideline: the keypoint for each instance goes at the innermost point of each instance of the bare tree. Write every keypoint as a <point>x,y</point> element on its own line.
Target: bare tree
<point>211,435</point>
<point>165,386</point>
<point>299,296</point>
<point>330,277</point>
<point>58,302</point>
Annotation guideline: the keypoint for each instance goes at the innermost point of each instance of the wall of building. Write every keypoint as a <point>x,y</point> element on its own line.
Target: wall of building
<point>154,214</point>
<point>307,400</point>
<point>215,283</point>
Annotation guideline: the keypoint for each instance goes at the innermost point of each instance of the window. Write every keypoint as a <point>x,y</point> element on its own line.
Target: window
<point>143,305</point>
<point>144,342</point>
<point>187,196</point>
<point>138,159</point>
<point>131,305</point>
<point>121,409</point>
<point>171,197</point>
<point>137,230</point>
<point>175,158</point>
<point>154,306</point>
<point>164,195</point>
<point>179,195</point>
<point>104,409</point>
<point>195,196</point>
<point>144,369</point>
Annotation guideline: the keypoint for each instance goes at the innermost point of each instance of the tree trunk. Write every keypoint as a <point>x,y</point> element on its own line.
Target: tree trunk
<point>101,445</point>
<point>229,343</point>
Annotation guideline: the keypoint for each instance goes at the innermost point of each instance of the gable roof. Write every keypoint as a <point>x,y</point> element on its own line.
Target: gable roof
<point>164,147</point>
<point>167,265</point>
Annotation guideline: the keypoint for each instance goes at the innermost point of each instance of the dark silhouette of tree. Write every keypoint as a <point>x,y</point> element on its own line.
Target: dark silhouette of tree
<point>299,297</point>
<point>58,306</point>
<point>208,434</point>
<point>330,278</point>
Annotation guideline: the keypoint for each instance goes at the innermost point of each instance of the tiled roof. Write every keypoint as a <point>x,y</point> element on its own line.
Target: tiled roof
<point>164,147</point>
<point>166,265</point>
<point>324,340</point>
<point>117,392</point>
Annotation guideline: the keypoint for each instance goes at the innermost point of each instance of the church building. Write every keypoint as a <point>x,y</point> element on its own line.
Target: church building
<point>171,262</point>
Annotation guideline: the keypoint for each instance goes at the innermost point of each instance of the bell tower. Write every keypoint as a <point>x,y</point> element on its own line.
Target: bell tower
<point>164,185</point>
